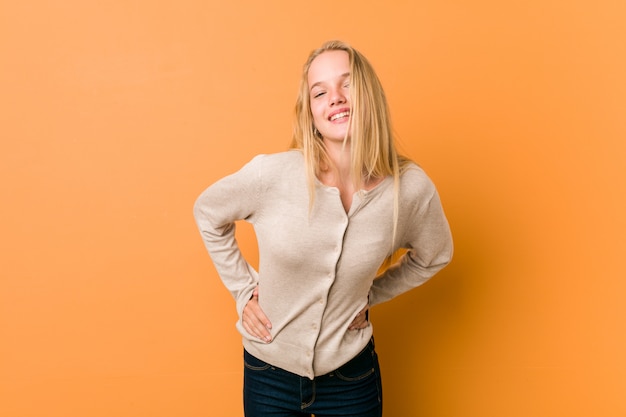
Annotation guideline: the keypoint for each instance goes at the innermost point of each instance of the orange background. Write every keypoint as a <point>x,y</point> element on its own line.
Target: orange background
<point>116,115</point>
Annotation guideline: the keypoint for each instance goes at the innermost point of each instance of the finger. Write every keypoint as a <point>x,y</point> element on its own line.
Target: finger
<point>255,327</point>
<point>261,330</point>
<point>257,315</point>
<point>257,331</point>
<point>255,321</point>
<point>359,325</point>
<point>261,317</point>
<point>360,321</point>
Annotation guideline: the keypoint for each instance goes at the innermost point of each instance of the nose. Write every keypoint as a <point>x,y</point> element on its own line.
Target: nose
<point>337,97</point>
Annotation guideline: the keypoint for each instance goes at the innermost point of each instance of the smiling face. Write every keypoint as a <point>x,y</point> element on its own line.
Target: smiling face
<point>329,91</point>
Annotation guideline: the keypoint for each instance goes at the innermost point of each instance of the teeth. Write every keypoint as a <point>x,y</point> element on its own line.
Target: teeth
<point>339,115</point>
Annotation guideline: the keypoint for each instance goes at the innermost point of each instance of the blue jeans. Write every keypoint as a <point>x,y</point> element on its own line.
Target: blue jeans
<point>353,389</point>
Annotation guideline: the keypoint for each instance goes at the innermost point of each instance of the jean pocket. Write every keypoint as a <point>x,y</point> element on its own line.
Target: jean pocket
<point>253,363</point>
<point>359,367</point>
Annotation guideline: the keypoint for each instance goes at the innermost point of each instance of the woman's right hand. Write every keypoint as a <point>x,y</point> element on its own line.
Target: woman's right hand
<point>254,319</point>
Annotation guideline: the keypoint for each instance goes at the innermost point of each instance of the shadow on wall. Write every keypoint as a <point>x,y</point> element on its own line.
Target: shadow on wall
<point>423,334</point>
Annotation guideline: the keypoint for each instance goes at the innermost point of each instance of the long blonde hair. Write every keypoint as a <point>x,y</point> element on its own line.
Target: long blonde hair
<point>372,148</point>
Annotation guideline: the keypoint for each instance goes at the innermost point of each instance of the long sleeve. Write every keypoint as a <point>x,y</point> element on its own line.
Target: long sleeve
<point>232,198</point>
<point>317,263</point>
<point>428,240</point>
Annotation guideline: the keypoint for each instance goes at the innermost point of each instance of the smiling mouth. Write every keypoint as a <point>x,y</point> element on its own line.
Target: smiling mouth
<point>339,115</point>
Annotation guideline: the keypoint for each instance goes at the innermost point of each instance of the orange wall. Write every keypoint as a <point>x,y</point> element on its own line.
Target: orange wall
<point>116,115</point>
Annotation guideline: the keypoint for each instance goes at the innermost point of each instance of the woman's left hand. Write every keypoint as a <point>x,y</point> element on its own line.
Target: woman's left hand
<point>360,321</point>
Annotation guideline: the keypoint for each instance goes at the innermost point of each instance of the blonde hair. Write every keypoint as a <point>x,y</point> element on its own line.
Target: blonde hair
<point>372,148</point>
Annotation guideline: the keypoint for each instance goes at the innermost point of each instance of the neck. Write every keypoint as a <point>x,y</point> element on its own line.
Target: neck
<point>339,155</point>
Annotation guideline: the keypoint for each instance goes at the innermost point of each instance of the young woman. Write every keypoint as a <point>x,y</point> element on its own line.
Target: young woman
<point>327,214</point>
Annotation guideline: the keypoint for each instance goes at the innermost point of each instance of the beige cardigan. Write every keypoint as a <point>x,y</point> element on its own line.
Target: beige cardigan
<point>317,267</point>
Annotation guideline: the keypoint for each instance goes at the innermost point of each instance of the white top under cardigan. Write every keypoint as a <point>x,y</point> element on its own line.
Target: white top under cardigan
<point>317,267</point>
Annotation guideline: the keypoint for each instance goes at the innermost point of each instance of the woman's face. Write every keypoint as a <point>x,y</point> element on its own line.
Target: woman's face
<point>329,91</point>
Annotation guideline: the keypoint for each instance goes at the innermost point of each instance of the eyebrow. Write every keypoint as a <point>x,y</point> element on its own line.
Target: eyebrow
<point>344,75</point>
